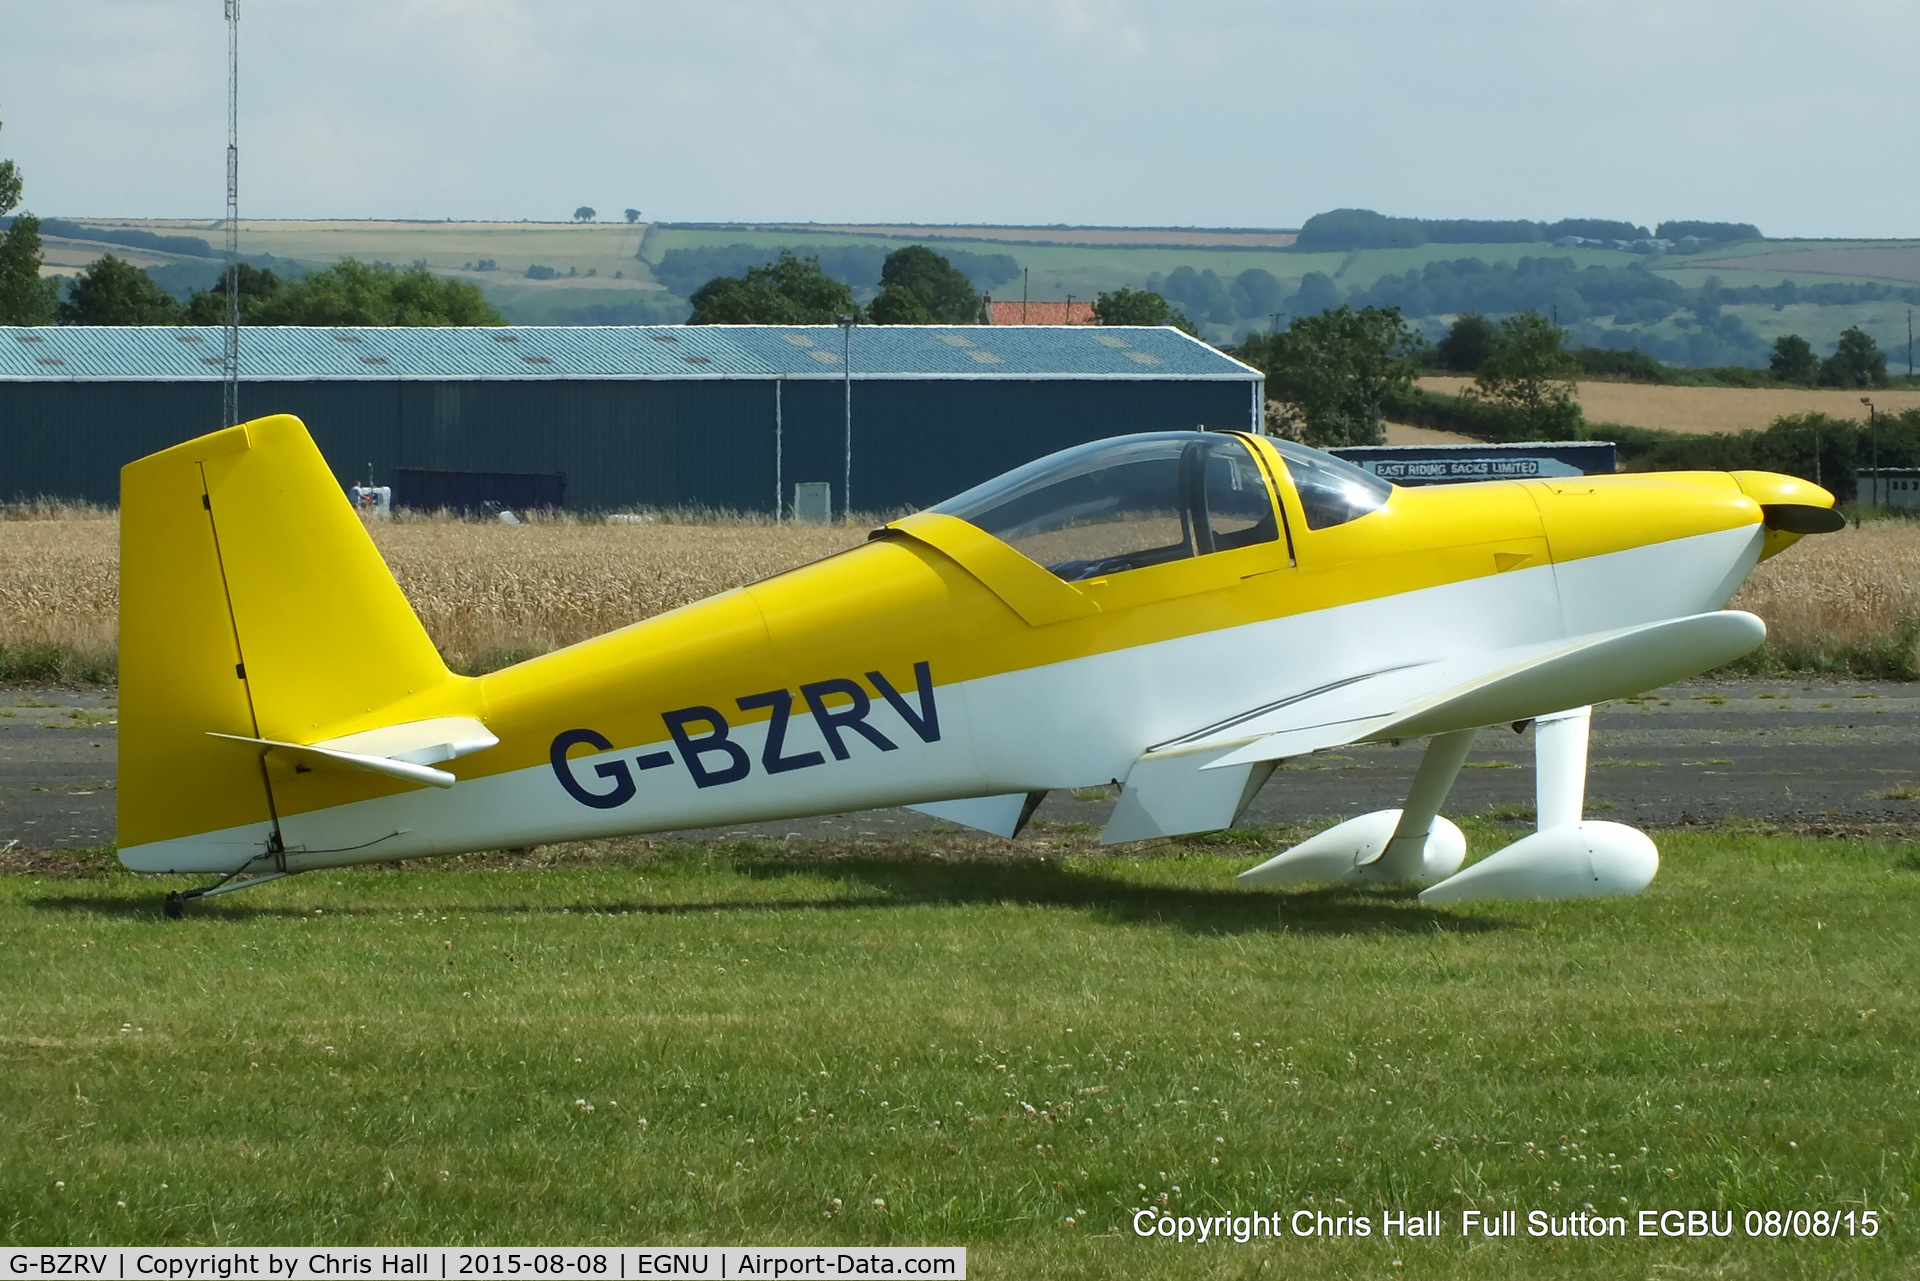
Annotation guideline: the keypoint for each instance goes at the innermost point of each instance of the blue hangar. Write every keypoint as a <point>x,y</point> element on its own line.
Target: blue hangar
<point>716,416</point>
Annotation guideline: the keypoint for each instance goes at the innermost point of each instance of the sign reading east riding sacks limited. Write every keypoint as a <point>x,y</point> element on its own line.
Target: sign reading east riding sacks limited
<point>471,1263</point>
<point>1462,464</point>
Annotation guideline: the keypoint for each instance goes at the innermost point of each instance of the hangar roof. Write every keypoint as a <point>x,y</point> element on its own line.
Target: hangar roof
<point>185,353</point>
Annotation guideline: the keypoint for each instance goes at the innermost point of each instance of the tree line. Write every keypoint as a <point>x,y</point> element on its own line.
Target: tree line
<point>1347,229</point>
<point>684,270</point>
<point>1337,375</point>
<point>1602,306</point>
<point>917,286</point>
<point>1333,377</point>
<point>112,291</point>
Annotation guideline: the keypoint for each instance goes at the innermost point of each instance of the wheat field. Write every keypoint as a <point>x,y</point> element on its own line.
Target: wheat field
<point>491,594</point>
<point>1844,601</point>
<point>486,593</point>
<point>1708,410</point>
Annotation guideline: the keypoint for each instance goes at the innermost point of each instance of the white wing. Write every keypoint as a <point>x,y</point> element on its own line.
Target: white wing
<point>1169,791</point>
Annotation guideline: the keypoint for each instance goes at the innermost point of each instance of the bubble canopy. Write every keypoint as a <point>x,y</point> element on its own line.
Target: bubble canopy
<point>1332,490</point>
<point>1122,504</point>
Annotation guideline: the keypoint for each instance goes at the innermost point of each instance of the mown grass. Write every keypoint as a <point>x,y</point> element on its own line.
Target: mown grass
<point>760,1043</point>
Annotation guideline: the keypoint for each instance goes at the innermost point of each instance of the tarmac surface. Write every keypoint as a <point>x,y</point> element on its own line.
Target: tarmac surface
<point>1792,752</point>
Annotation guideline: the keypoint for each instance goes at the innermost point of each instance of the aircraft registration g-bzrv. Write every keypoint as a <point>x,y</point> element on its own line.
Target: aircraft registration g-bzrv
<point>1175,613</point>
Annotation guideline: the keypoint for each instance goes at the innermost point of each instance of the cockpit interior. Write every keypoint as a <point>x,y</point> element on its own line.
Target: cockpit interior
<point>1116,505</point>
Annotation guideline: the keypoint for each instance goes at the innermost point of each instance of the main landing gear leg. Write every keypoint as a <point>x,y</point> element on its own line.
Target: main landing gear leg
<point>1569,856</point>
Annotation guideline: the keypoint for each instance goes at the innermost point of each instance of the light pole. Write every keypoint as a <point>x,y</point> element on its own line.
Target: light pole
<point>846,324</point>
<point>230,339</point>
<point>1873,443</point>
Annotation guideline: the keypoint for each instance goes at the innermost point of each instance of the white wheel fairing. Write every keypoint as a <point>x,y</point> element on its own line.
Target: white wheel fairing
<point>1589,859</point>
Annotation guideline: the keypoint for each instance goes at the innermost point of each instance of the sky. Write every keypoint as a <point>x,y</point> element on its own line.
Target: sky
<point>1241,113</point>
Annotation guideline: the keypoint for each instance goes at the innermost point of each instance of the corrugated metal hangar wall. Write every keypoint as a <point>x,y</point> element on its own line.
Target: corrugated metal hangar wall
<point>702,422</point>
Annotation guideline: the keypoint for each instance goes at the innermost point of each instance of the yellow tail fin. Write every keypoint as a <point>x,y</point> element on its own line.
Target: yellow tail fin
<point>252,604</point>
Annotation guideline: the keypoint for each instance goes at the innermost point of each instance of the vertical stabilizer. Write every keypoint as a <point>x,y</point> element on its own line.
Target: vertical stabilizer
<point>252,604</point>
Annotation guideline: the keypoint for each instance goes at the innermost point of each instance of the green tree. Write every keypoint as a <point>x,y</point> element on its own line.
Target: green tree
<point>939,287</point>
<point>633,215</point>
<point>356,293</point>
<point>1530,372</point>
<point>1257,294</point>
<point>258,287</point>
<point>1139,307</point>
<point>1793,360</point>
<point>25,298</point>
<point>733,300</point>
<point>585,213</point>
<point>1467,344</point>
<point>1334,370</point>
<point>899,305</point>
<point>1856,362</point>
<point>113,291</point>
<point>11,185</point>
<point>786,291</point>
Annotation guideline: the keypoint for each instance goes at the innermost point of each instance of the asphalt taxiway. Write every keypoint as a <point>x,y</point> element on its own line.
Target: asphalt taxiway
<point>1793,752</point>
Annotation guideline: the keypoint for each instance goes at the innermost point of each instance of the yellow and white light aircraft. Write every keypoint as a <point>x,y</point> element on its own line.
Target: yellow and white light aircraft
<point>1174,613</point>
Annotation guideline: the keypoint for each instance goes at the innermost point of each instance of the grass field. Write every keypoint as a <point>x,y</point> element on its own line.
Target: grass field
<point>490,594</point>
<point>1709,410</point>
<point>1195,237</point>
<point>1855,259</point>
<point>443,246</point>
<point>961,1041</point>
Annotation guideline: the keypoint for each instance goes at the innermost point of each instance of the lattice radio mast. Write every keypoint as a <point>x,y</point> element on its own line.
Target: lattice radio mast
<point>230,345</point>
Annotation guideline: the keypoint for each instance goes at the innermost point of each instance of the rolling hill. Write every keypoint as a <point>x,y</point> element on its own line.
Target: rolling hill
<point>1725,304</point>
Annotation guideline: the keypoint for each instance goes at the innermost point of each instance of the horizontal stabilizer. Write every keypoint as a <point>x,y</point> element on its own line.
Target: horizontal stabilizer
<point>405,752</point>
<point>1487,689</point>
<point>428,742</point>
